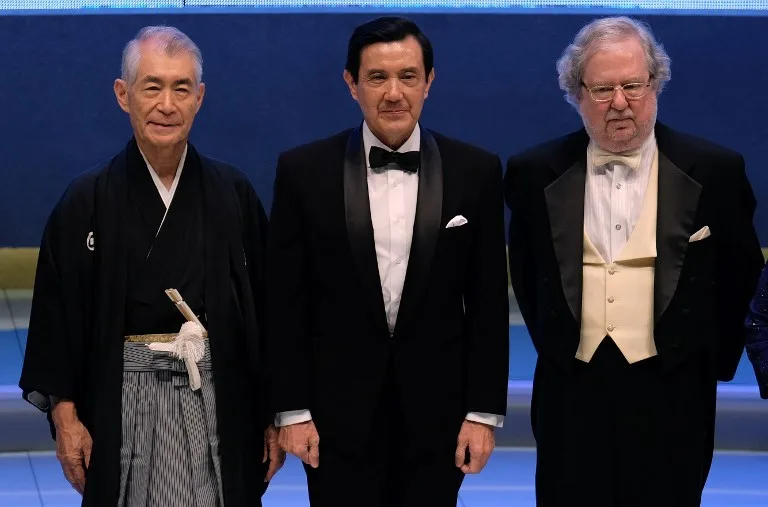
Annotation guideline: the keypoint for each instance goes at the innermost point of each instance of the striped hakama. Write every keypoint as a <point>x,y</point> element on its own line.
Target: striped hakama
<point>169,455</point>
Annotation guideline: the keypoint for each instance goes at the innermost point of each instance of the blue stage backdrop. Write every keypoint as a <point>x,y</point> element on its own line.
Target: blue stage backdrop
<point>274,81</point>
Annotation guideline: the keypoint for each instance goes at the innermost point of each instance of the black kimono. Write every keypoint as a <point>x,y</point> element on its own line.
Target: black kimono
<point>102,271</point>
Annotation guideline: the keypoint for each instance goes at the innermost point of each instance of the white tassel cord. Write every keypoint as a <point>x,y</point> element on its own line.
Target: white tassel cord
<point>189,346</point>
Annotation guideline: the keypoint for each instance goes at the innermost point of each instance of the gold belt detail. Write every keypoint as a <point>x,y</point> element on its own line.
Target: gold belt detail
<point>155,338</point>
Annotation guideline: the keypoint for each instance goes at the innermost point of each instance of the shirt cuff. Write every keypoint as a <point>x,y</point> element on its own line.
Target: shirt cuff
<point>292,417</point>
<point>489,419</point>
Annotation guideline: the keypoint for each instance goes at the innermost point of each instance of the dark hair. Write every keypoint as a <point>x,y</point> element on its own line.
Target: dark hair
<point>385,29</point>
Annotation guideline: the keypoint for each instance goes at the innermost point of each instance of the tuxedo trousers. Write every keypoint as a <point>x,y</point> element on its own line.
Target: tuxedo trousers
<point>396,468</point>
<point>614,434</point>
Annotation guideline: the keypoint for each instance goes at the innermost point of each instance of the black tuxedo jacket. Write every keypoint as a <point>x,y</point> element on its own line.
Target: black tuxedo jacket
<point>702,289</point>
<point>329,345</point>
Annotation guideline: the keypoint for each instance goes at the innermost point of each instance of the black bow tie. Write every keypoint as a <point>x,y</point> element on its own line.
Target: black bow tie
<point>408,161</point>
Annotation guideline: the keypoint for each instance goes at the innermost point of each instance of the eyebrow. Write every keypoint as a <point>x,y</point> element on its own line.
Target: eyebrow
<point>157,80</point>
<point>635,79</point>
<point>371,72</point>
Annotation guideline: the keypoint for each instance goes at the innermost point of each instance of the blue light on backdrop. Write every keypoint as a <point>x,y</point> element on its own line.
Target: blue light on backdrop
<point>672,5</point>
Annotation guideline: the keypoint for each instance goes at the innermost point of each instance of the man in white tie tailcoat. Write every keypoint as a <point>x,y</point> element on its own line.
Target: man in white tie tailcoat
<point>633,258</point>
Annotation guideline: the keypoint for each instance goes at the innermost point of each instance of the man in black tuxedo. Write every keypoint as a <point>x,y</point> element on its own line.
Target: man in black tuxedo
<point>633,258</point>
<point>387,294</point>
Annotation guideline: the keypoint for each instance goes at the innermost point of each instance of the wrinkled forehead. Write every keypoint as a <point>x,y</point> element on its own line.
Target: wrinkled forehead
<point>156,63</point>
<point>615,62</point>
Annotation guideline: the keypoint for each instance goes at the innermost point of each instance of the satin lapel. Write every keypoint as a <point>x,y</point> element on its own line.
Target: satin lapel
<point>357,211</point>
<point>426,228</point>
<point>565,205</point>
<point>678,201</point>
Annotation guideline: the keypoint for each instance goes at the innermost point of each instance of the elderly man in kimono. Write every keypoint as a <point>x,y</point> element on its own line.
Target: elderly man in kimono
<point>144,343</point>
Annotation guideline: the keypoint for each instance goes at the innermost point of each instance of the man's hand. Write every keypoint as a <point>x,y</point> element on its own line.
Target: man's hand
<point>476,439</point>
<point>73,444</point>
<point>273,452</point>
<point>303,441</point>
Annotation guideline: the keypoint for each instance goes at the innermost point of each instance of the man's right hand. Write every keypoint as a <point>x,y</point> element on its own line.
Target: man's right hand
<point>303,441</point>
<point>73,444</point>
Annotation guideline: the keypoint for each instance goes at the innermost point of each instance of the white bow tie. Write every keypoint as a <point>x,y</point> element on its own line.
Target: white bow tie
<point>629,158</point>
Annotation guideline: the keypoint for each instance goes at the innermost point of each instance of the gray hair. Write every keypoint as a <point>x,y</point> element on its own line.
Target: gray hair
<point>570,66</point>
<point>171,40</point>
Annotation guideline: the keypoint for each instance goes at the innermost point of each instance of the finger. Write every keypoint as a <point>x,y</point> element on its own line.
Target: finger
<point>299,450</point>
<point>482,457</point>
<point>276,454</point>
<point>272,470</point>
<point>78,478</point>
<point>314,454</point>
<point>314,436</point>
<point>276,460</point>
<point>284,443</point>
<point>67,469</point>
<point>461,455</point>
<point>87,453</point>
<point>264,456</point>
<point>476,464</point>
<point>469,459</point>
<point>303,454</point>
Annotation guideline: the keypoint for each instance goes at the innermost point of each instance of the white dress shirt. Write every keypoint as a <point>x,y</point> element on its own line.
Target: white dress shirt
<point>392,195</point>
<point>614,197</point>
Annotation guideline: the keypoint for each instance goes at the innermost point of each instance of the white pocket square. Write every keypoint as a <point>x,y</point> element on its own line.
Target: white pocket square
<point>700,234</point>
<point>456,221</point>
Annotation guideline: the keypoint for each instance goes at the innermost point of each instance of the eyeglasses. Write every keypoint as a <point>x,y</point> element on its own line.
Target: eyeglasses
<point>606,93</point>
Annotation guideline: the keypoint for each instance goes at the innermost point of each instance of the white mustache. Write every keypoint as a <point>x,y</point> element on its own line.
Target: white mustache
<point>619,115</point>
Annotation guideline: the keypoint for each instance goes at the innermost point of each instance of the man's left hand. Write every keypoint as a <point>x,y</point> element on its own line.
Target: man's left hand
<point>273,452</point>
<point>478,441</point>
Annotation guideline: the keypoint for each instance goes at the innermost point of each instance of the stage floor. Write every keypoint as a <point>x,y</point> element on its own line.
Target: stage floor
<point>736,480</point>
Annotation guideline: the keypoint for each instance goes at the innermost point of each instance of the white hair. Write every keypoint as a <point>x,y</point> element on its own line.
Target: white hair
<point>597,34</point>
<point>172,41</point>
